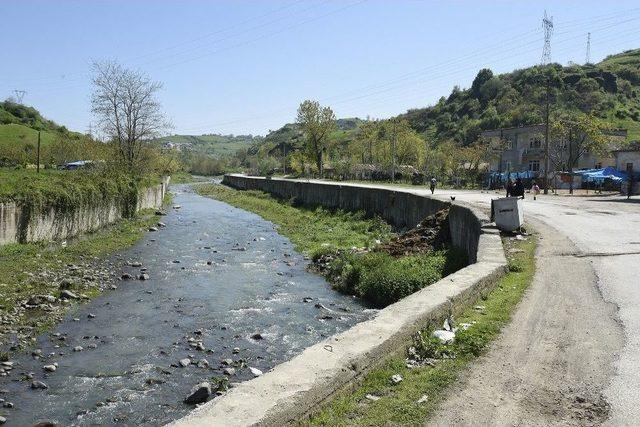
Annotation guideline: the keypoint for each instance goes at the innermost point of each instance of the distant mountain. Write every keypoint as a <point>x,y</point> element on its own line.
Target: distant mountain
<point>213,145</point>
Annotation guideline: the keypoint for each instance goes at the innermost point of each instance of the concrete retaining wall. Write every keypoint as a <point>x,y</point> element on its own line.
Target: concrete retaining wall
<point>298,387</point>
<point>51,225</point>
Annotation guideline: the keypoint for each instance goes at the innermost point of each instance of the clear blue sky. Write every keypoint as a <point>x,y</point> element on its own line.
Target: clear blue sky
<point>244,66</point>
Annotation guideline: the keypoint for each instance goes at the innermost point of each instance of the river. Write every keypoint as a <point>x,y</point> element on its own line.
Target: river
<point>217,275</point>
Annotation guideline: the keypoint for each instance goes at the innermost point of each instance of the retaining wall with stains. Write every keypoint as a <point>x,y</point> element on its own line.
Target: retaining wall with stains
<point>50,225</point>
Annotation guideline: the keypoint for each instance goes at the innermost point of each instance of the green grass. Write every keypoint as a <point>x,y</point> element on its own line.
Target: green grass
<point>310,230</point>
<point>398,403</point>
<point>15,134</point>
<point>19,261</point>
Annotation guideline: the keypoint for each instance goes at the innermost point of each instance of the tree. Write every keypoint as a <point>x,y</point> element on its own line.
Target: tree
<point>574,135</point>
<point>316,123</point>
<point>125,104</point>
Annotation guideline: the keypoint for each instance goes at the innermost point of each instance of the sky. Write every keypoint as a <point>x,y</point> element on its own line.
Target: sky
<point>243,67</point>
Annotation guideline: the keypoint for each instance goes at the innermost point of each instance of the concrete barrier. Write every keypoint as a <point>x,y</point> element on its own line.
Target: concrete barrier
<point>51,225</point>
<point>295,389</point>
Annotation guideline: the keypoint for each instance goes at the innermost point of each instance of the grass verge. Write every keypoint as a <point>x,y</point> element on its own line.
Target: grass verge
<point>403,403</point>
<point>310,230</point>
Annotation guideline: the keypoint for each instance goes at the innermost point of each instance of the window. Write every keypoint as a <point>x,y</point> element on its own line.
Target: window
<point>598,165</point>
<point>534,165</point>
<point>629,167</point>
<point>534,143</point>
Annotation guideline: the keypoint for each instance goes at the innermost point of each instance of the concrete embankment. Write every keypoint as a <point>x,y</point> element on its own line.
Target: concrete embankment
<point>298,387</point>
<point>18,226</point>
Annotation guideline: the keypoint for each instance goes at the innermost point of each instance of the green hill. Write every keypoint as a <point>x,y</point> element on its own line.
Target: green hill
<point>609,89</point>
<point>213,145</point>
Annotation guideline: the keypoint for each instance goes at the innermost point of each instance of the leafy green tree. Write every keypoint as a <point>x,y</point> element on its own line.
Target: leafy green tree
<point>316,123</point>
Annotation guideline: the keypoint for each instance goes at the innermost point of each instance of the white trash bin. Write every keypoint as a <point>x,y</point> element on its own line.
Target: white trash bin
<point>507,213</point>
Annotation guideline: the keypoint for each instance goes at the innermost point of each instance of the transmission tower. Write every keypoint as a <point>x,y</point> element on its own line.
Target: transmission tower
<point>19,95</point>
<point>588,59</point>
<point>547,26</point>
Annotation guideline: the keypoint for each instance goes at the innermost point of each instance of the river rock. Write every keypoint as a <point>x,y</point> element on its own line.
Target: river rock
<point>49,368</point>
<point>3,420</point>
<point>255,371</point>
<point>257,336</point>
<point>161,224</point>
<point>78,348</point>
<point>143,276</point>
<point>153,228</point>
<point>227,362</point>
<point>396,379</point>
<point>91,316</point>
<point>229,371</point>
<point>39,385</point>
<point>7,405</point>
<point>203,363</point>
<point>185,362</point>
<point>199,394</point>
<point>135,264</point>
<point>46,423</point>
<point>126,276</point>
<point>67,294</point>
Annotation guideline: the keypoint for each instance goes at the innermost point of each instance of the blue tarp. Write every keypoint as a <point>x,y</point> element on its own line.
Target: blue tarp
<point>599,175</point>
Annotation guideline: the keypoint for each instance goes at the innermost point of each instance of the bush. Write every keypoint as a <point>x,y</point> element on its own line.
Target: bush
<point>382,279</point>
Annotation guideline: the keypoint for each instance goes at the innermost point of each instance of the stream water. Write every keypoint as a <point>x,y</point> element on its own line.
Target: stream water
<point>218,275</point>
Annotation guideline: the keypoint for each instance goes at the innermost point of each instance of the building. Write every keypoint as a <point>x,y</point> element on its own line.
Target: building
<point>628,158</point>
<point>522,148</point>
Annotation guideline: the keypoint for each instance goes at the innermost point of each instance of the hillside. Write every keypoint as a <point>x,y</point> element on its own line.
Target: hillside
<point>213,145</point>
<point>609,89</point>
<point>289,137</point>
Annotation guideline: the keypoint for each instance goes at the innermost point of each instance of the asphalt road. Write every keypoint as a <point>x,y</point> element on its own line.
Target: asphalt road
<point>571,355</point>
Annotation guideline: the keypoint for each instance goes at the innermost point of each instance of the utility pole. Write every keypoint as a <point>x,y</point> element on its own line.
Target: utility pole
<point>546,139</point>
<point>393,153</point>
<point>588,58</point>
<point>547,26</point>
<point>38,155</point>
<point>284,159</point>
<point>20,95</point>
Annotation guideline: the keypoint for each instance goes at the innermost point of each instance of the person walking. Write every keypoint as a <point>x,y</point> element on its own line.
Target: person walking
<point>510,188</point>
<point>535,189</point>
<point>432,184</point>
<point>518,189</point>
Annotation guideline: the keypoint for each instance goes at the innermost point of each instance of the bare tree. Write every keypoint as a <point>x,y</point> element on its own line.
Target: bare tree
<point>316,122</point>
<point>124,102</point>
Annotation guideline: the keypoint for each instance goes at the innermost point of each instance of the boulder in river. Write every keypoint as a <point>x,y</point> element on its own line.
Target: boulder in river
<point>49,368</point>
<point>143,276</point>
<point>39,385</point>
<point>199,394</point>
<point>257,336</point>
<point>185,362</point>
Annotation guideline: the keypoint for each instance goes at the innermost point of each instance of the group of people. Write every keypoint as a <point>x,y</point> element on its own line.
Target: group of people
<point>516,189</point>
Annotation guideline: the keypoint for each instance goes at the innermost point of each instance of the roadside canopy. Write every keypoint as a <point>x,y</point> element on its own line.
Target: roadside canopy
<point>599,175</point>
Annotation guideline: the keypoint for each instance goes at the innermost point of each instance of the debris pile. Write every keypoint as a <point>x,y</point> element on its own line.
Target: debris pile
<point>431,234</point>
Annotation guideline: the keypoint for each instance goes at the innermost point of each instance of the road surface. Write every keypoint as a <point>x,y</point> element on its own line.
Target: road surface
<point>571,355</point>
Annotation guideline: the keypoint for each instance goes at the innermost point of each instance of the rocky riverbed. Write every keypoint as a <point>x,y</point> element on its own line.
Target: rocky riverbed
<point>212,295</point>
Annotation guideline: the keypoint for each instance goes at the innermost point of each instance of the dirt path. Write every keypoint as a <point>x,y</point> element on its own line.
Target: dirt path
<point>554,360</point>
